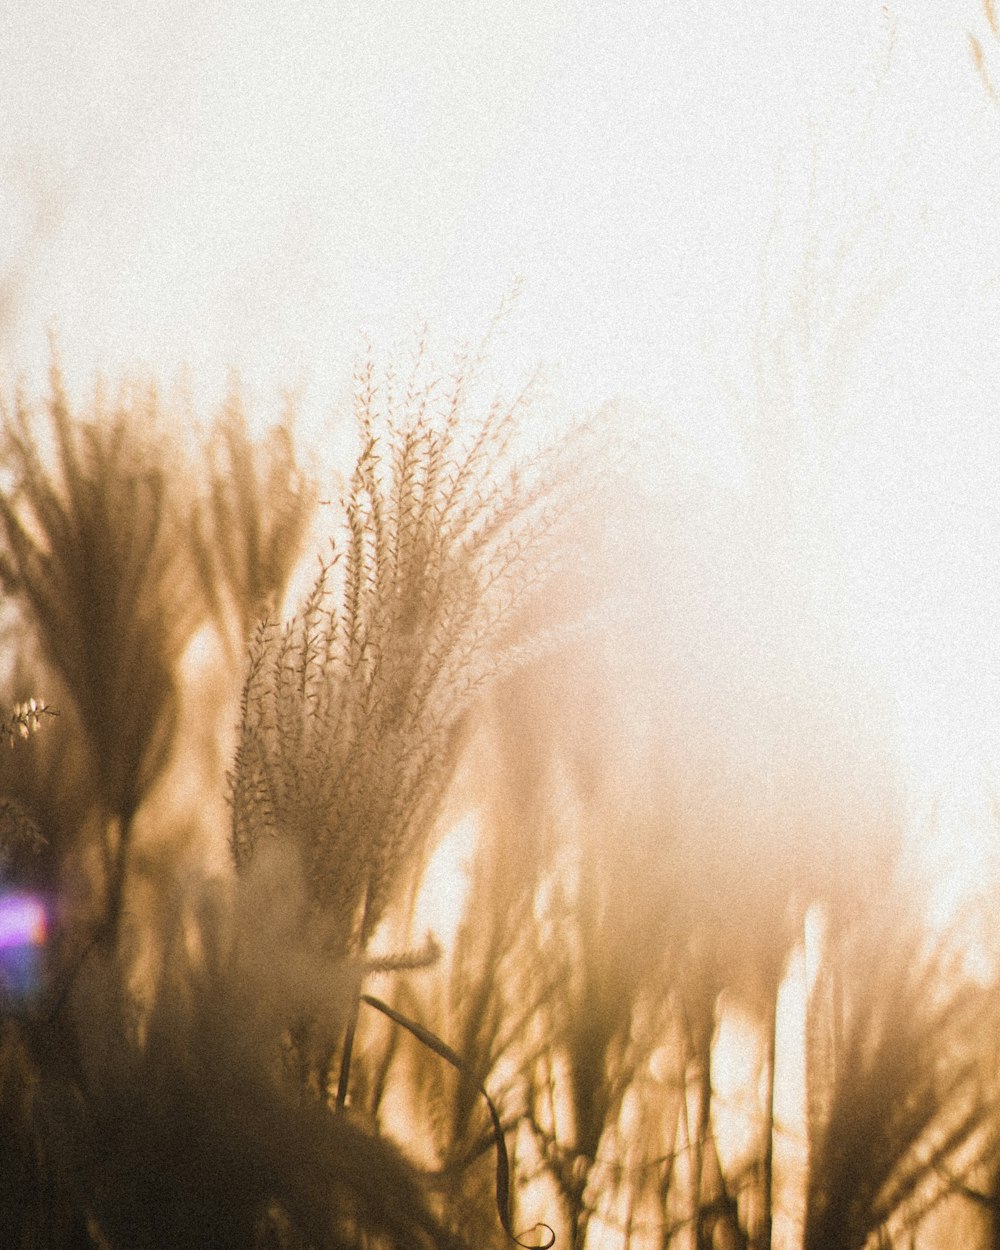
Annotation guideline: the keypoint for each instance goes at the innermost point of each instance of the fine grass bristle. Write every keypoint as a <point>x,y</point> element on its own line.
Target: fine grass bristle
<point>352,713</point>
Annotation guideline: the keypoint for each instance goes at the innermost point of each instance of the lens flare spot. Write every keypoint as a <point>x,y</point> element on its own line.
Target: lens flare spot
<point>24,927</point>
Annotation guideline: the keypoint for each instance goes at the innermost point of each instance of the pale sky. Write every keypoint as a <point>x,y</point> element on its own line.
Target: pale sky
<point>250,183</point>
<point>690,191</point>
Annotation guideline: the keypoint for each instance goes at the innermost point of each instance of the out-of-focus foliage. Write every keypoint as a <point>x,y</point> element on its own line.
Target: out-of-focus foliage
<point>161,1063</point>
<point>94,548</point>
<point>249,531</point>
<point>182,1057</point>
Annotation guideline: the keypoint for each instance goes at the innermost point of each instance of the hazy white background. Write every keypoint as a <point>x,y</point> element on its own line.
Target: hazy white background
<point>755,223</point>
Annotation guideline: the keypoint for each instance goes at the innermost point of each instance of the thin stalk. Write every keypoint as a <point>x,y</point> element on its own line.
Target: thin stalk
<point>767,1179</point>
<point>116,847</point>
<point>666,1183</point>
<point>351,1029</point>
<point>703,1234</point>
<point>345,1058</point>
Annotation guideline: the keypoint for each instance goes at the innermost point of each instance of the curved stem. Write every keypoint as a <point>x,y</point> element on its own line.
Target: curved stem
<point>343,1081</point>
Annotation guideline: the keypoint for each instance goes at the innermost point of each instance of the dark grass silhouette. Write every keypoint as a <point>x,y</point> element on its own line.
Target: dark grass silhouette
<point>93,548</point>
<point>191,1067</point>
<point>157,1082</point>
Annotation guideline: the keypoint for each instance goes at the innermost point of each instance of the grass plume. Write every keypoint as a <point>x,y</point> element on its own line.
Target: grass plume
<point>353,713</point>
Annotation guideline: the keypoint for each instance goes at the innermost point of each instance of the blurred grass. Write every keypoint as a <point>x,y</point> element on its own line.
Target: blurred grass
<point>191,1070</point>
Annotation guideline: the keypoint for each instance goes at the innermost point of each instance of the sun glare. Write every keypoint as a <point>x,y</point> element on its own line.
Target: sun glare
<point>758,245</point>
<point>445,883</point>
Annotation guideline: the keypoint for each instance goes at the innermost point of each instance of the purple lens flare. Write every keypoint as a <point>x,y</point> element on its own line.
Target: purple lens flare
<point>24,930</point>
<point>24,921</point>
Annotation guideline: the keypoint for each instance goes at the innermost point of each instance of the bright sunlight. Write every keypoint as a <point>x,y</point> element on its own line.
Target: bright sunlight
<point>499,514</point>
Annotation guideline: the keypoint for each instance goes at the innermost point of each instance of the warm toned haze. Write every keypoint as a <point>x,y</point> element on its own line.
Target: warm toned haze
<point>499,582</point>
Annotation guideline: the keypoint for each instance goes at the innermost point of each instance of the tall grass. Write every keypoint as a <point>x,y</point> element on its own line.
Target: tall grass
<point>195,1061</point>
<point>897,1087</point>
<point>249,529</point>
<point>353,713</point>
<point>144,1082</point>
<point>93,548</point>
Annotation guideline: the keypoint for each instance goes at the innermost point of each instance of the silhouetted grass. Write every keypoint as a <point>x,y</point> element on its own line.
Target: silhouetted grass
<point>249,530</point>
<point>897,1088</point>
<point>353,714</point>
<point>189,1068</point>
<point>94,549</point>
